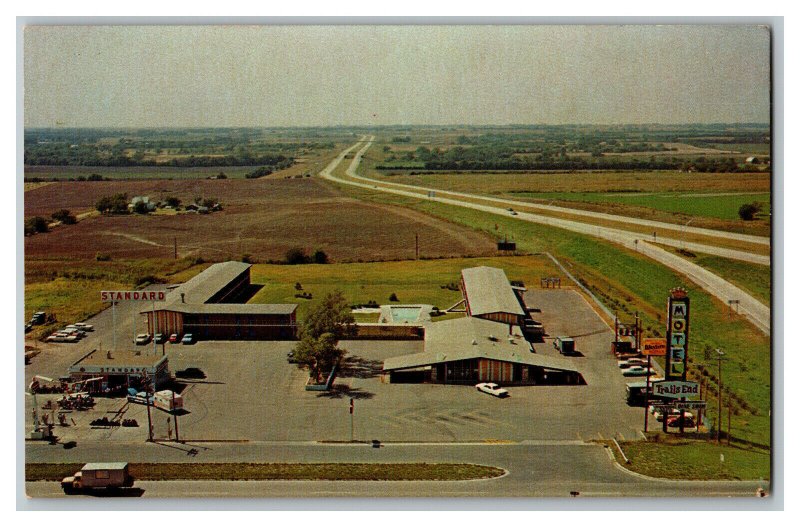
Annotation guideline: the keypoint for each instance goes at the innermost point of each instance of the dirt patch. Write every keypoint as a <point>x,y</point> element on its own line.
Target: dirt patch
<point>263,218</point>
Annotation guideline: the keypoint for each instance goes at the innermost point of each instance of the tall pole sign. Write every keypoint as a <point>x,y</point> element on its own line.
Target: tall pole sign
<point>677,335</point>
<point>677,340</point>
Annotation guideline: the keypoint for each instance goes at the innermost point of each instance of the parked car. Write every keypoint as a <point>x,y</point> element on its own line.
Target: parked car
<point>636,371</point>
<point>188,339</point>
<point>142,339</point>
<point>174,338</point>
<point>139,397</point>
<point>492,389</point>
<point>291,358</point>
<point>689,424</point>
<point>160,338</point>
<point>192,372</point>
<point>635,361</point>
<point>61,336</point>
<point>83,326</point>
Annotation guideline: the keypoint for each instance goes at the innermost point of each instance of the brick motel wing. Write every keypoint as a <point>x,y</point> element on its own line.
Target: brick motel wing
<point>210,307</point>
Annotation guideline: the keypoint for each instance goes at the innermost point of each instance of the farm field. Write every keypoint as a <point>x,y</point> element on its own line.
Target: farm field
<point>724,206</point>
<point>255,221</point>
<point>627,282</point>
<point>413,281</point>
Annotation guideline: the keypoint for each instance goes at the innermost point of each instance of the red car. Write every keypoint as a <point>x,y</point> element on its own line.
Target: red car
<point>174,338</point>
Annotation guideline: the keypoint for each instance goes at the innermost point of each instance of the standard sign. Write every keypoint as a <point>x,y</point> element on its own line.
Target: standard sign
<point>675,389</point>
<point>114,296</point>
<point>682,405</point>
<point>654,347</point>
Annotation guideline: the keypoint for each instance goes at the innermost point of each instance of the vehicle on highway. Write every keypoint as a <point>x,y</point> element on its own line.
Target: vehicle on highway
<point>492,389</point>
<point>83,326</point>
<point>636,371</point>
<point>192,372</point>
<point>188,339</point>
<point>142,339</point>
<point>160,338</point>
<point>513,213</point>
<point>174,338</point>
<point>98,476</point>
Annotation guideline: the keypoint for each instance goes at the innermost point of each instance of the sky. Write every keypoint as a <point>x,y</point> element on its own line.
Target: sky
<point>271,76</point>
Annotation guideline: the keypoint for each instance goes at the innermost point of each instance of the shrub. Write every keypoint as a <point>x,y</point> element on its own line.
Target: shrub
<point>141,208</point>
<point>297,255</point>
<point>173,202</point>
<point>102,257</point>
<point>748,211</point>
<point>393,298</point>
<point>35,224</point>
<point>247,258</point>
<point>319,257</point>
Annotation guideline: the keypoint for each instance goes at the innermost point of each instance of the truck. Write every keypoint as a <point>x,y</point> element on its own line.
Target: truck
<point>167,400</point>
<point>98,476</point>
<point>564,345</point>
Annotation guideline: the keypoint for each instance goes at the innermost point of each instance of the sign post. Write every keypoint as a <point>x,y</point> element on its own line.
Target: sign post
<point>351,420</point>
<point>136,296</point>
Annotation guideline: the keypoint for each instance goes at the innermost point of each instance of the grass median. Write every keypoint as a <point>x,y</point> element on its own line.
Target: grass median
<point>282,471</point>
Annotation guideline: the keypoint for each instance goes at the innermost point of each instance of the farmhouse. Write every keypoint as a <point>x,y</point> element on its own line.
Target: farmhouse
<point>209,306</point>
<point>471,350</point>
<point>120,368</point>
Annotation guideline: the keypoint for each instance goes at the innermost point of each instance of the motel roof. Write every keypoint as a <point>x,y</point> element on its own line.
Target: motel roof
<point>488,290</point>
<point>474,338</point>
<point>232,309</point>
<point>205,285</point>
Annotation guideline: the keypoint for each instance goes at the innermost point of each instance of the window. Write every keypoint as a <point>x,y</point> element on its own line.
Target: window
<point>101,474</point>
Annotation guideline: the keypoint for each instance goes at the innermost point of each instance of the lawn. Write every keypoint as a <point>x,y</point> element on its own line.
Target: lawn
<point>709,205</point>
<point>628,282</point>
<point>281,471</point>
<point>413,281</point>
<point>697,460</point>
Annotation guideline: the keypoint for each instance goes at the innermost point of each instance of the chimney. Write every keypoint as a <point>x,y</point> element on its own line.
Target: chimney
<point>183,298</point>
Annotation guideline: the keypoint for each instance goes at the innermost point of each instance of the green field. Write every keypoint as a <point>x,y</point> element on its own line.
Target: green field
<point>628,282</point>
<point>710,205</point>
<point>698,460</point>
<point>281,471</point>
<point>413,281</point>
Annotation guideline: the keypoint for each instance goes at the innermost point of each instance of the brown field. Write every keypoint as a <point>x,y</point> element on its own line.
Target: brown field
<point>263,218</point>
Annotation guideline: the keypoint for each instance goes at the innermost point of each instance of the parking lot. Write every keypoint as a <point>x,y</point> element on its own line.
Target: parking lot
<point>251,392</point>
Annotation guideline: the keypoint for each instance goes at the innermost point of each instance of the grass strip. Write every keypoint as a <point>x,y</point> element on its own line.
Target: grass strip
<point>281,471</point>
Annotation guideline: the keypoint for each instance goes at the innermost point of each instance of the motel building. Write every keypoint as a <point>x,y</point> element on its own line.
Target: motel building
<point>487,345</point>
<point>115,369</point>
<point>211,306</point>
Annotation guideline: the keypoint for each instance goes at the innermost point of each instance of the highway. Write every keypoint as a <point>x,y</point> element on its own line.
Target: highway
<point>534,469</point>
<point>751,308</point>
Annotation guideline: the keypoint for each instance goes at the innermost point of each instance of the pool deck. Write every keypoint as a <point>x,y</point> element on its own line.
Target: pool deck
<point>423,318</point>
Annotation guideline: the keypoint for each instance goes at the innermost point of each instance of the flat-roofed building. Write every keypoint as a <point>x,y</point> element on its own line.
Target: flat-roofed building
<point>114,369</point>
<point>209,306</point>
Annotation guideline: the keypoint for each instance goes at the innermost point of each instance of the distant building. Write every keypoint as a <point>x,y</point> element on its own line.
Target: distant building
<point>209,306</point>
<point>753,160</point>
<point>151,205</point>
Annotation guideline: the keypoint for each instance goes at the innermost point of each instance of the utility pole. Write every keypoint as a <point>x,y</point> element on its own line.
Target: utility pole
<point>351,421</point>
<point>720,354</point>
<point>175,246</point>
<point>729,421</point>
<point>177,437</point>
<point>416,245</point>
<point>147,401</point>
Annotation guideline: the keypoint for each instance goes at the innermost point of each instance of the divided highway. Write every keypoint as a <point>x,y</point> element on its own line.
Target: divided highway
<point>754,310</point>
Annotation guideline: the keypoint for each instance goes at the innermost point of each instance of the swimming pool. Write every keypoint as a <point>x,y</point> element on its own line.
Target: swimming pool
<point>405,314</point>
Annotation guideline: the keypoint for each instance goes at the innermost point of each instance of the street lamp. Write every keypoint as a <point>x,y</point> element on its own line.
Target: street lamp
<point>684,232</point>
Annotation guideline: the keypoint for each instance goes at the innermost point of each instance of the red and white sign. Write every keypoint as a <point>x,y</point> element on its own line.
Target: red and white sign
<point>116,296</point>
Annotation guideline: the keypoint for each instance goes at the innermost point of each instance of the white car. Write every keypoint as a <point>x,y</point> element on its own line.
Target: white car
<point>632,362</point>
<point>492,389</point>
<point>83,326</point>
<point>142,339</point>
<point>636,371</point>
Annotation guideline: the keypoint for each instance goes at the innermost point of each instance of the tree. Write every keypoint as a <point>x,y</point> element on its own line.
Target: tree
<point>319,257</point>
<point>319,355</point>
<point>64,217</point>
<point>332,315</point>
<point>296,255</point>
<point>116,204</point>
<point>748,211</point>
<point>140,208</point>
<point>173,202</point>
<point>35,224</point>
